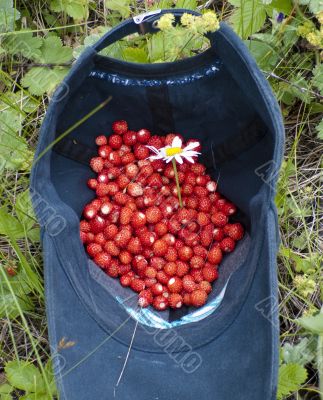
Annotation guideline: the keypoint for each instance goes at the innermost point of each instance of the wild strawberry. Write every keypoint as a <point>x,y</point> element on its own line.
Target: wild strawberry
<point>155,141</point>
<point>160,247</point>
<point>115,142</point>
<point>171,254</point>
<point>111,248</point>
<point>218,234</point>
<point>192,202</point>
<point>115,158</point>
<point>138,219</point>
<point>102,259</point>
<point>141,152</point>
<point>92,183</point>
<point>150,272</point>
<point>84,226</point>
<point>106,208</point>
<point>197,275</point>
<point>149,282</point>
<point>183,215</point>
<point>169,171</point>
<point>124,149</point>
<point>188,283</point>
<point>200,251</point>
<point>134,246</point>
<point>112,269</point>
<point>198,298</point>
<point>122,181</point>
<point>187,189</point>
<point>125,257</point>
<point>102,189</point>
<point>203,219</point>
<point>197,168</point>
<point>210,273</point>
<point>126,279</point>
<point>200,191</point>
<point>157,289</point>
<point>153,215</point>
<point>143,135</point>
<point>158,165</point>
<point>197,262</point>
<point>186,299</point>
<point>130,138</point>
<point>155,180</point>
<point>211,186</point>
<point>113,188</point>
<point>104,151</point>
<point>175,300</point>
<point>204,204</point>
<point>84,237</point>
<point>146,170</point>
<point>182,268</point>
<point>134,189</point>
<point>160,303</point>
<point>147,252</point>
<point>175,284</point>
<point>229,209</point>
<point>190,178</point>
<point>215,255</point>
<point>191,238</point>
<point>227,245</point>
<point>157,263</point>
<point>193,226</point>
<point>148,238</point>
<point>122,238</point>
<point>219,219</point>
<point>161,228</point>
<point>170,268</point>
<point>101,140</point>
<point>97,224</point>
<point>150,196</point>
<point>97,164</point>
<point>137,285</point>
<point>185,253</point>
<point>114,214</point>
<point>202,180</point>
<point>120,127</point>
<point>174,226</point>
<point>103,178</point>
<point>96,203</point>
<point>93,249</point>
<point>162,277</point>
<point>139,201</point>
<point>131,171</point>
<point>234,231</point>
<point>127,159</point>
<point>125,215</point>
<point>169,138</point>
<point>205,286</point>
<point>145,298</point>
<point>169,239</point>
<point>121,198</point>
<point>99,238</point>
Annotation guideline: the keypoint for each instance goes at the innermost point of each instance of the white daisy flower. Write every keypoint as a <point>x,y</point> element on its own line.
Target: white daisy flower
<point>175,151</point>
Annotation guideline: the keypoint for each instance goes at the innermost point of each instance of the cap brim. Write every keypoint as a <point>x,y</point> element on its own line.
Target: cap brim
<point>240,363</point>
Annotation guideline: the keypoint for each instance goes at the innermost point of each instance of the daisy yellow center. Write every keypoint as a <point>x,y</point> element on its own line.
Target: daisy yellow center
<point>173,150</point>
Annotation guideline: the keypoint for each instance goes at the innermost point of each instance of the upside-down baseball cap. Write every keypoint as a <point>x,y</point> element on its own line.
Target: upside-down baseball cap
<point>103,346</point>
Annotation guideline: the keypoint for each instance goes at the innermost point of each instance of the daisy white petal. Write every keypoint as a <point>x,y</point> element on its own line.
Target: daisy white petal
<point>188,158</point>
<point>178,159</point>
<point>177,142</point>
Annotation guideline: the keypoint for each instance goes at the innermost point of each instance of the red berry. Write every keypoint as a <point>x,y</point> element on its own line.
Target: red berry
<point>134,189</point>
<point>120,127</point>
<point>131,171</point>
<point>138,219</point>
<point>187,190</point>
<point>126,279</point>
<point>122,181</point>
<point>170,268</point>
<point>153,215</point>
<point>185,253</point>
<point>143,135</point>
<point>192,202</point>
<point>141,152</point>
<point>137,285</point>
<point>175,284</point>
<point>155,141</point>
<point>188,283</point>
<point>202,180</point>
<point>211,186</point>
<point>97,224</point>
<point>160,247</point>
<point>198,298</point>
<point>93,249</point>
<point>115,158</point>
<point>125,215</point>
<point>122,238</point>
<point>200,251</point>
<point>99,238</point>
<point>145,298</point>
<point>182,268</point>
<point>175,300</point>
<point>125,257</point>
<point>218,234</point>
<point>157,262</point>
<point>121,198</point>
<point>197,275</point>
<point>190,178</point>
<point>155,180</point>
<point>161,228</point>
<point>203,219</point>
<point>210,273</point>
<point>160,303</point>
<point>157,289</point>
<point>101,140</point>
<point>134,246</point>
<point>115,142</point>
<point>197,262</point>
<point>84,226</point>
<point>198,168</point>
<point>102,259</point>
<point>205,286</point>
<point>219,219</point>
<point>227,245</point>
<point>200,191</point>
<point>130,138</point>
<point>111,248</point>
<point>97,164</point>
<point>204,204</point>
<point>92,183</point>
<point>215,255</point>
<point>234,231</point>
<point>106,208</point>
<point>104,151</point>
<point>171,254</point>
<point>162,277</point>
<point>150,272</point>
<point>127,158</point>
<point>147,238</point>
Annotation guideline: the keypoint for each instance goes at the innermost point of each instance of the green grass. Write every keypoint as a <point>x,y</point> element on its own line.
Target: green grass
<point>293,67</point>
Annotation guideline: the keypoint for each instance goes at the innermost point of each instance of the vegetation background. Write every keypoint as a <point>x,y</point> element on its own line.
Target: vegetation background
<point>39,40</point>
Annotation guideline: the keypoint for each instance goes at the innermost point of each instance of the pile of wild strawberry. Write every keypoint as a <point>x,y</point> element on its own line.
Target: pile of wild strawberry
<point>135,230</point>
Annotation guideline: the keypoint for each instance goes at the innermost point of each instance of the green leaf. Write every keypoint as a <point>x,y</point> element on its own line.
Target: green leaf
<point>23,43</point>
<point>315,6</point>
<point>188,4</point>
<point>77,9</point>
<point>25,376</point>
<point>5,388</point>
<point>40,80</point>
<point>8,15</point>
<point>264,54</point>
<point>121,6</point>
<point>156,47</point>
<point>319,129</point>
<point>317,80</point>
<point>135,54</point>
<point>26,216</point>
<point>249,18</point>
<point>313,324</point>
<point>291,377</point>
<point>36,396</point>
<point>53,52</point>
<point>301,353</point>
<point>284,6</point>
<point>9,225</point>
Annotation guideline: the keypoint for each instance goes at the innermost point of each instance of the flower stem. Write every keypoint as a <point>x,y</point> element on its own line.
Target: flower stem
<point>177,183</point>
